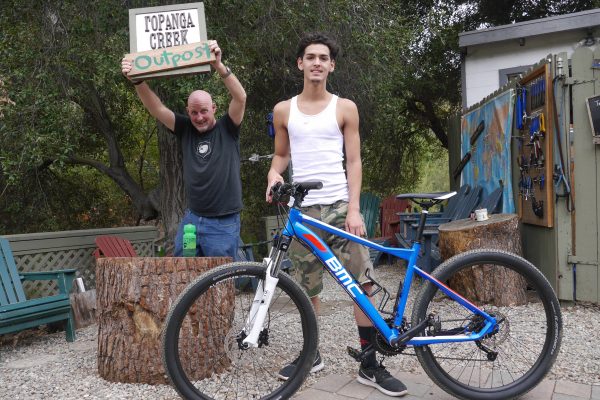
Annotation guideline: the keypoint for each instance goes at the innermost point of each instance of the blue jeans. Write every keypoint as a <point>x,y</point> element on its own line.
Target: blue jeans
<point>215,236</point>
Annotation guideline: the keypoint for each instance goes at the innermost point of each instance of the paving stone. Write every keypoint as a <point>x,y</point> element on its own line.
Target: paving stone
<point>543,391</point>
<point>573,389</point>
<point>313,394</point>
<point>435,393</point>
<point>417,378</point>
<point>561,396</point>
<point>332,383</point>
<point>417,389</point>
<point>595,392</point>
<point>377,395</point>
<point>356,390</point>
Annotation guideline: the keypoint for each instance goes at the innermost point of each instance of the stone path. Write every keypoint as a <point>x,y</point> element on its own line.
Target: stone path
<point>341,387</point>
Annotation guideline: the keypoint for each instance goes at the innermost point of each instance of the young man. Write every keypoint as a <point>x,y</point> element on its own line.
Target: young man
<point>211,160</point>
<point>314,130</point>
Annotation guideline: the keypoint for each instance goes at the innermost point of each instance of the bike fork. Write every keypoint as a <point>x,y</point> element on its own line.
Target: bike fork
<point>260,305</point>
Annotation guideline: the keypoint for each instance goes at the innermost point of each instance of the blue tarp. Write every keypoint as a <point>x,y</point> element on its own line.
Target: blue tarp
<point>490,155</point>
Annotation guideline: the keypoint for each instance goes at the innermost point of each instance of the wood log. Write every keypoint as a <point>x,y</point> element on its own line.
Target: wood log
<point>134,296</point>
<point>487,285</point>
<point>84,308</point>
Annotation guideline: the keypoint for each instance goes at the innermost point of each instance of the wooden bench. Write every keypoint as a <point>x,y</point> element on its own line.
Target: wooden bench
<point>17,312</point>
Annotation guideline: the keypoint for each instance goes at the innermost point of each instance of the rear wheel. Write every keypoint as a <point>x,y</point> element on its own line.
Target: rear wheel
<point>507,363</point>
<point>203,351</point>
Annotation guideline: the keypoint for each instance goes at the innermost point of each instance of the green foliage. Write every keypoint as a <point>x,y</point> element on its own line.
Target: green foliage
<point>79,150</point>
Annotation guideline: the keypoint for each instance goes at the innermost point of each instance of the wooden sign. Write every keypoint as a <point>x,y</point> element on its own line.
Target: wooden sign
<point>147,63</point>
<point>166,27</point>
<point>593,107</point>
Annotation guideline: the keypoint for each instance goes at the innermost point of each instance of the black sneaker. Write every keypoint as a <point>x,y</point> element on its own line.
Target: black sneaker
<point>286,372</point>
<point>379,378</point>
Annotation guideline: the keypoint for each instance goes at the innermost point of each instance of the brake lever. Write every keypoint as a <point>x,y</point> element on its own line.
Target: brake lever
<point>278,190</point>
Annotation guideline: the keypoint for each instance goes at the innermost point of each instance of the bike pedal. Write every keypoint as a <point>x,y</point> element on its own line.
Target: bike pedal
<point>354,353</point>
<point>360,355</point>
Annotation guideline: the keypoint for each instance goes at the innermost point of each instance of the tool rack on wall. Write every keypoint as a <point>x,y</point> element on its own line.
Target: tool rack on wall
<point>535,137</point>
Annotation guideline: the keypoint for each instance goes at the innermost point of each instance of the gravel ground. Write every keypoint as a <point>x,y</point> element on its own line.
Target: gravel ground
<point>47,367</point>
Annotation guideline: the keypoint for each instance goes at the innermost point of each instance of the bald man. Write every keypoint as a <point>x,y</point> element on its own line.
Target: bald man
<point>211,160</point>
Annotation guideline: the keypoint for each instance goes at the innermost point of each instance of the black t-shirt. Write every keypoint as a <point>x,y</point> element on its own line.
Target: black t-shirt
<point>211,166</point>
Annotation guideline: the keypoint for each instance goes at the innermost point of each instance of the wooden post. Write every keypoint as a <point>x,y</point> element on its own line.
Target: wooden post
<point>487,284</point>
<point>134,296</point>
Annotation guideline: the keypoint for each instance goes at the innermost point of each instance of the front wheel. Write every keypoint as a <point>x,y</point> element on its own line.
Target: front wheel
<point>204,354</point>
<point>513,359</point>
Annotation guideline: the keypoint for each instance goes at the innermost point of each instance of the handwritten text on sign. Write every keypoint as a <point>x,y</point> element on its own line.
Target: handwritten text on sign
<point>172,58</point>
<point>166,29</point>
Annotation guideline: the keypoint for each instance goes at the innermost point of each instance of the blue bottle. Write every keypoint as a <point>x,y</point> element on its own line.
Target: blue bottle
<point>189,240</point>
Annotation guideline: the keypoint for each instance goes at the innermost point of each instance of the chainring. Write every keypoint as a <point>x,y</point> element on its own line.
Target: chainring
<point>382,346</point>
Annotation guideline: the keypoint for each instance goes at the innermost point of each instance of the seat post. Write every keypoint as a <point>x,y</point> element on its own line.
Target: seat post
<point>421,228</point>
<point>425,206</point>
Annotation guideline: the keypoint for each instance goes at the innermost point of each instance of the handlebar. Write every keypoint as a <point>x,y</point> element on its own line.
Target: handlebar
<point>297,190</point>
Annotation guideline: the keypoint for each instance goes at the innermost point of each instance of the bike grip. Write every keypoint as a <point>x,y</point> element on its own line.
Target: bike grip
<point>275,187</point>
<point>310,185</point>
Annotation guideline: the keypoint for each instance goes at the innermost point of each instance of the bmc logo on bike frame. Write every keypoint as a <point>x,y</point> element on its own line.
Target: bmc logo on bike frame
<point>343,275</point>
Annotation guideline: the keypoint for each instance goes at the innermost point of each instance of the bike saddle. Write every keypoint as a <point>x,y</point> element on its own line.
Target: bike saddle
<point>440,196</point>
<point>426,200</point>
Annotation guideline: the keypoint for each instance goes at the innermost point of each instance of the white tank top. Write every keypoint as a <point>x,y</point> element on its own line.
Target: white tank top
<point>316,144</point>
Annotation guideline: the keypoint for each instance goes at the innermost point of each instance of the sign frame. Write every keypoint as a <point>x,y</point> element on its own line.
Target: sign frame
<point>196,7</point>
<point>592,104</point>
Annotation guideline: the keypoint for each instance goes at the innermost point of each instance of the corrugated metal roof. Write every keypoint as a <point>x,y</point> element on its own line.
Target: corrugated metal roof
<point>559,23</point>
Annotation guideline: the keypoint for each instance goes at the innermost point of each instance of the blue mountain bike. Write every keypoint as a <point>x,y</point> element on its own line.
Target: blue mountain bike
<point>221,342</point>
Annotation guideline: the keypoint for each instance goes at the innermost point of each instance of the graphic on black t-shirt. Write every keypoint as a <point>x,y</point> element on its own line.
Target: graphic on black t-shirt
<point>203,149</point>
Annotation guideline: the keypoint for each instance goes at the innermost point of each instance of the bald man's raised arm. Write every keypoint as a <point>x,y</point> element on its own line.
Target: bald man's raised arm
<point>154,106</point>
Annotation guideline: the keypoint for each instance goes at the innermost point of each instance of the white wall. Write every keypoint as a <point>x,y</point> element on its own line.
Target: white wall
<point>483,62</point>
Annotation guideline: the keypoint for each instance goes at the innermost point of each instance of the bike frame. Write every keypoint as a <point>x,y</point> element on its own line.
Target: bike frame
<point>295,228</point>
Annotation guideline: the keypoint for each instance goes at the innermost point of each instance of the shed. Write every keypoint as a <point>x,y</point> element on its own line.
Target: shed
<point>564,51</point>
<point>490,57</point>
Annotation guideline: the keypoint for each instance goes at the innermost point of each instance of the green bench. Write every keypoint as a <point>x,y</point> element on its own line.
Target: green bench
<point>17,312</point>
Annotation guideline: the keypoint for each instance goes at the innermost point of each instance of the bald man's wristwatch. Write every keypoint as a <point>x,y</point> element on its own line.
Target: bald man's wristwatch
<point>226,73</point>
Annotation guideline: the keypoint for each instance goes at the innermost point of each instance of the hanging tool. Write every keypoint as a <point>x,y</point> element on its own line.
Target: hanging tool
<point>559,169</point>
<point>543,91</point>
<point>559,177</point>
<point>534,128</point>
<point>537,207</point>
<point>533,89</point>
<point>461,165</point>
<point>521,106</point>
<point>542,125</point>
<point>527,185</point>
<point>540,180</point>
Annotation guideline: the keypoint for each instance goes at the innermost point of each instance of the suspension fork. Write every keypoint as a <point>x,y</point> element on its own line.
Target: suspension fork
<point>264,292</point>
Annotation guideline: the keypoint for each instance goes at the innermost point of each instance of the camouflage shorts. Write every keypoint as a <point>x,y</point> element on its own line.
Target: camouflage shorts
<point>355,257</point>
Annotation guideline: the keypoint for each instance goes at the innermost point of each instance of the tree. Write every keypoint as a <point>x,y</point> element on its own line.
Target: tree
<point>77,139</point>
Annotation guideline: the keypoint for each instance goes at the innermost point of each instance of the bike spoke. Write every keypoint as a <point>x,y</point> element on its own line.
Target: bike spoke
<point>240,372</point>
<point>505,358</point>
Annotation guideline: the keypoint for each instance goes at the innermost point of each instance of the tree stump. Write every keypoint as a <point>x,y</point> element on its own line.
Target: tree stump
<point>488,285</point>
<point>134,296</point>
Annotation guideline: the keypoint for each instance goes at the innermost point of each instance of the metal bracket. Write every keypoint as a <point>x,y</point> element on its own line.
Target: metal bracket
<point>576,81</point>
<point>571,259</point>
